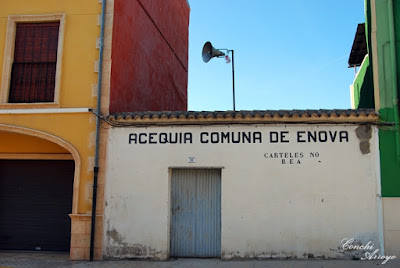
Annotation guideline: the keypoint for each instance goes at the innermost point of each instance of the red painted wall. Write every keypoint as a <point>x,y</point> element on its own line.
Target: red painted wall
<point>149,56</point>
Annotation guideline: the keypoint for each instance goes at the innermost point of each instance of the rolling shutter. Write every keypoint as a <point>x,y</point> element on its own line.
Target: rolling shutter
<point>35,200</point>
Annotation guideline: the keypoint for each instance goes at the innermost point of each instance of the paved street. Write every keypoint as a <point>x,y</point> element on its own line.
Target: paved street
<point>44,260</point>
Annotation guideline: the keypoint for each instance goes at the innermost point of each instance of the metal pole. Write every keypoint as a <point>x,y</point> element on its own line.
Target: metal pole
<point>233,80</point>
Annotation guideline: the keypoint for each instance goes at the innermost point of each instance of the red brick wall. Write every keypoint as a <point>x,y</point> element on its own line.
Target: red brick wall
<point>149,68</point>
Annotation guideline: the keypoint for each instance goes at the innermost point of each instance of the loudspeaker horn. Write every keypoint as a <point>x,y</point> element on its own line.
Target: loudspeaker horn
<point>210,52</point>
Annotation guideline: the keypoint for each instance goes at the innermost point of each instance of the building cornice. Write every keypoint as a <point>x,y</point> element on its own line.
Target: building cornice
<point>358,116</point>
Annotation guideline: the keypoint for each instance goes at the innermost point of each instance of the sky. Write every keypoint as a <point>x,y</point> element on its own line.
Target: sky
<point>288,54</point>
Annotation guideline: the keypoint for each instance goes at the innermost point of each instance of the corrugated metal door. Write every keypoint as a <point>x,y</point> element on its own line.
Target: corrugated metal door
<point>35,200</point>
<point>196,213</point>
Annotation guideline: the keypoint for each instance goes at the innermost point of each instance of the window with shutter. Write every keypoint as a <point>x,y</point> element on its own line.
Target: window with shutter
<point>34,67</point>
<point>31,76</point>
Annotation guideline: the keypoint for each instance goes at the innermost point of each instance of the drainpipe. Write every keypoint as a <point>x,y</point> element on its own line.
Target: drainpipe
<point>96,157</point>
<point>393,61</point>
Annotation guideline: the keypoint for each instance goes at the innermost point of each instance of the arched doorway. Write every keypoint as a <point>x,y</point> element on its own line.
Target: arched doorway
<point>36,191</point>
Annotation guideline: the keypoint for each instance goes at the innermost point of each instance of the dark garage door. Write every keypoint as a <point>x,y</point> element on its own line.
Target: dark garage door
<point>35,200</point>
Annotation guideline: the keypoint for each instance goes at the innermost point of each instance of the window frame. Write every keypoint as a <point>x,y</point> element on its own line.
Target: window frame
<point>9,59</point>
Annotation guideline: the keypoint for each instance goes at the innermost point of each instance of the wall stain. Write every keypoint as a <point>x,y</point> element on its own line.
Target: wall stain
<point>237,256</point>
<point>364,134</point>
<point>359,240</point>
<point>117,248</point>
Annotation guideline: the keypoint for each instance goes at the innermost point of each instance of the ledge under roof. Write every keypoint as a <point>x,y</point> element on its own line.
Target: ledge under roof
<point>253,116</point>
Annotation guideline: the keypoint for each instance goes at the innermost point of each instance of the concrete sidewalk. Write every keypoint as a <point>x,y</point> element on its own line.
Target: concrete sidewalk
<point>50,260</point>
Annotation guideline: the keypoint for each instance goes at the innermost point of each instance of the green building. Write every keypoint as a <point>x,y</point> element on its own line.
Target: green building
<point>376,50</point>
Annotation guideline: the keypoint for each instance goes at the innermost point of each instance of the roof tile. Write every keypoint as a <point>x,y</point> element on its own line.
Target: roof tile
<point>256,116</point>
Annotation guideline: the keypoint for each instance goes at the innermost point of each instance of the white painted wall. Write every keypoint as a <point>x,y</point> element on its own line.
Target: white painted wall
<point>269,209</point>
<point>391,225</point>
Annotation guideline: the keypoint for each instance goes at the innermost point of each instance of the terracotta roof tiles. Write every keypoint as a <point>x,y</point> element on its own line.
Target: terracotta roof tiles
<point>251,116</point>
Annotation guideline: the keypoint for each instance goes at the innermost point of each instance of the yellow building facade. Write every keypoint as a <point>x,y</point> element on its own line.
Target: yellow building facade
<point>55,60</point>
<point>37,137</point>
